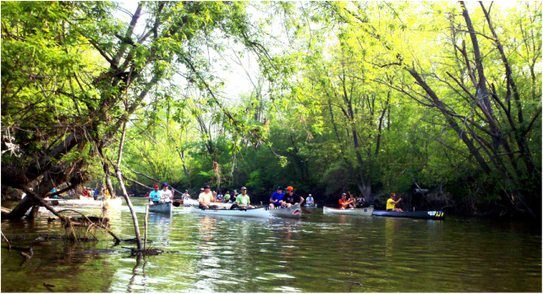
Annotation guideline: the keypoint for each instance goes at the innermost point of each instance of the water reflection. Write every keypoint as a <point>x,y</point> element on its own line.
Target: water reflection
<point>317,253</point>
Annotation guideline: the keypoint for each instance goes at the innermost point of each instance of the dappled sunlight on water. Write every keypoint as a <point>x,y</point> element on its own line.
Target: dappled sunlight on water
<point>318,253</point>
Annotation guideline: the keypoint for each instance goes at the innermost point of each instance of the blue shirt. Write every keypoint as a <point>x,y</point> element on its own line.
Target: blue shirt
<point>277,196</point>
<point>154,195</point>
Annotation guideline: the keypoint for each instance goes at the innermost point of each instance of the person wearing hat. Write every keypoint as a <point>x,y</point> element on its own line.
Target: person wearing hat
<point>154,196</point>
<point>276,198</point>
<point>165,193</point>
<point>243,201</point>
<point>220,197</point>
<point>186,195</point>
<point>310,200</point>
<point>391,204</point>
<point>205,198</point>
<point>227,197</point>
<point>344,202</point>
<point>292,198</point>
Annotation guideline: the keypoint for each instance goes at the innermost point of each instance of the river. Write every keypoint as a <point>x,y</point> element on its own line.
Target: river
<point>318,253</point>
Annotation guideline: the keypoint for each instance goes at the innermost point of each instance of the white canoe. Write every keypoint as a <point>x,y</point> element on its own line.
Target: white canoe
<point>255,212</point>
<point>357,211</point>
<point>85,202</point>
<point>194,202</point>
<point>291,212</point>
<point>161,207</point>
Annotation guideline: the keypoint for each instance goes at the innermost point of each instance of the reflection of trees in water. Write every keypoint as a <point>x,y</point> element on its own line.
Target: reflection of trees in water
<point>135,274</point>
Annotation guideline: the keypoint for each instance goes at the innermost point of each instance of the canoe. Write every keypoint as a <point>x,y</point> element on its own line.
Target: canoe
<point>161,207</point>
<point>255,212</point>
<point>411,214</point>
<point>291,212</point>
<point>356,211</point>
<point>194,202</point>
<point>84,202</point>
<point>314,205</point>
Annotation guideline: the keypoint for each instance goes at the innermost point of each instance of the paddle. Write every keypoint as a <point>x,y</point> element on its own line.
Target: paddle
<point>305,210</point>
<point>177,203</point>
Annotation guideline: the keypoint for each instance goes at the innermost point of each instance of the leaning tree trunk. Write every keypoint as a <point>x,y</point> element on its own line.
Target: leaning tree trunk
<point>119,175</point>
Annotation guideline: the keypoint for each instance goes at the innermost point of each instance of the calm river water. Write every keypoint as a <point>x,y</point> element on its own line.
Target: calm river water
<point>319,253</point>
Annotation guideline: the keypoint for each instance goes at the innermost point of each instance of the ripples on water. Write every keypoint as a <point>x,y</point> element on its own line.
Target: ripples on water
<point>319,253</point>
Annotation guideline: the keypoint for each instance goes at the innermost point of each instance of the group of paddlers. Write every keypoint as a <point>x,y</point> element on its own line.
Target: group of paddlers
<point>278,199</point>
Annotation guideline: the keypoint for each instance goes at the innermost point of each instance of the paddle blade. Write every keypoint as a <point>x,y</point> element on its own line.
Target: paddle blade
<point>305,210</point>
<point>176,204</point>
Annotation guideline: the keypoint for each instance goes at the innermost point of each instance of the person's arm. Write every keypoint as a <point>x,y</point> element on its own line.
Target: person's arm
<point>301,200</point>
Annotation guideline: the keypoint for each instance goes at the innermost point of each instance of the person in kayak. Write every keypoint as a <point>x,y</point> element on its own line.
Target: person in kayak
<point>391,204</point>
<point>277,198</point>
<point>243,201</point>
<point>292,198</point>
<point>154,196</point>
<point>205,199</point>
<point>309,200</point>
<point>345,203</point>
<point>227,197</point>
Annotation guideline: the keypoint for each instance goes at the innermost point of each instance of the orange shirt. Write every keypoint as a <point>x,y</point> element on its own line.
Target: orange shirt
<point>343,204</point>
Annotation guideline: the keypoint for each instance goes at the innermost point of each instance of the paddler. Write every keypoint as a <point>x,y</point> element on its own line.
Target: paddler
<point>154,196</point>
<point>292,198</point>
<point>310,200</point>
<point>276,198</point>
<point>165,193</point>
<point>391,204</point>
<point>344,202</point>
<point>205,199</point>
<point>243,201</point>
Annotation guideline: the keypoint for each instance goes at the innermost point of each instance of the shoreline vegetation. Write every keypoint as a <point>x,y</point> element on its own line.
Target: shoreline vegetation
<point>370,98</point>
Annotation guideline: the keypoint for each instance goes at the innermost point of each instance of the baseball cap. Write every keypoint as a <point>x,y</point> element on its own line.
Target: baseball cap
<point>279,188</point>
<point>156,186</point>
<point>243,188</point>
<point>344,194</point>
<point>309,194</point>
<point>290,188</point>
<point>206,187</point>
<point>164,185</point>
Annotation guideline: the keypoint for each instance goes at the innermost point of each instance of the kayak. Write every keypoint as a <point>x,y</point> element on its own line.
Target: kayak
<point>291,212</point>
<point>314,205</point>
<point>411,214</point>
<point>255,212</point>
<point>161,207</point>
<point>84,202</point>
<point>353,211</point>
<point>194,202</point>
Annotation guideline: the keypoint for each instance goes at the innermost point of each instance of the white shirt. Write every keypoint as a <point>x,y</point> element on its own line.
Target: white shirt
<point>165,195</point>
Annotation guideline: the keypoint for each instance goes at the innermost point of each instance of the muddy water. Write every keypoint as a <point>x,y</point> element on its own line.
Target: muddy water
<point>319,253</point>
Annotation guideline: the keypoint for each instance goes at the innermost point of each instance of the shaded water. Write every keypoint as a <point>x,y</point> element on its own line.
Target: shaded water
<point>319,253</point>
